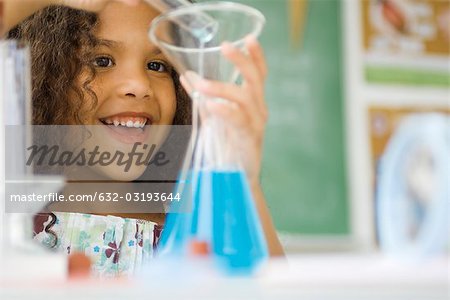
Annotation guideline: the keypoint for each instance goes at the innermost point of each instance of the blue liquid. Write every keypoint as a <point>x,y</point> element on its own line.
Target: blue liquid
<point>181,222</point>
<point>224,215</point>
<point>238,241</point>
<point>186,218</point>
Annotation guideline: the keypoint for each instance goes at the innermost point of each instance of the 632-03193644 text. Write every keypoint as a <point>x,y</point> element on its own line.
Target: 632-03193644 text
<point>102,197</point>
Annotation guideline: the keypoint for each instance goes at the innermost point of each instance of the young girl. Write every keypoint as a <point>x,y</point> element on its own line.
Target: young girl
<point>93,64</point>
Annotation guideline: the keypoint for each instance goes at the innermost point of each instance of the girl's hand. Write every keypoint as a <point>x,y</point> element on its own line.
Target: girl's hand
<point>246,109</point>
<point>93,5</point>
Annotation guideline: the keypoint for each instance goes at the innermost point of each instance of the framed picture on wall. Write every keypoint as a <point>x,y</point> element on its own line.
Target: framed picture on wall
<point>406,42</point>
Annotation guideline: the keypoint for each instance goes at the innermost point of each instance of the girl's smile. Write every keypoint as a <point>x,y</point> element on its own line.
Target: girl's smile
<point>128,127</point>
<point>128,119</point>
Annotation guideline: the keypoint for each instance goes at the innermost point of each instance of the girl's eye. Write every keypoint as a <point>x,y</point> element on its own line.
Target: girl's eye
<point>157,66</point>
<point>103,62</point>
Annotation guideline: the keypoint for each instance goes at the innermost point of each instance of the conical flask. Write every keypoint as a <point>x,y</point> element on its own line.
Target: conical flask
<point>221,208</point>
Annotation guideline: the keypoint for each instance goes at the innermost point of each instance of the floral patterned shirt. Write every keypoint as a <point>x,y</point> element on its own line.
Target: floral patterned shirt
<point>116,246</point>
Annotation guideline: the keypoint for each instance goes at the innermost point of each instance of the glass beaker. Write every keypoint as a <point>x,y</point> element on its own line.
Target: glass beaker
<point>223,209</point>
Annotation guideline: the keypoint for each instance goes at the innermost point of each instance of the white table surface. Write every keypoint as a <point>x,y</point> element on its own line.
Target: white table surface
<point>318,276</point>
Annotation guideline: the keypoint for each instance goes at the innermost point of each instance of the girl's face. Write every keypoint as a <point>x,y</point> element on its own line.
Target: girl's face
<point>132,74</point>
<point>133,86</point>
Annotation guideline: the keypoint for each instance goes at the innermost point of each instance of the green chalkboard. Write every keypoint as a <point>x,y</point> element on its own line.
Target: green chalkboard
<point>304,173</point>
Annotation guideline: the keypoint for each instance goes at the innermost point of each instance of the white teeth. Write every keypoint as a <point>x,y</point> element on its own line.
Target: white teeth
<point>129,123</point>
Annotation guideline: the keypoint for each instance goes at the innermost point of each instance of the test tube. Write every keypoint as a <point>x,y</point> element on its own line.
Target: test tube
<point>200,24</point>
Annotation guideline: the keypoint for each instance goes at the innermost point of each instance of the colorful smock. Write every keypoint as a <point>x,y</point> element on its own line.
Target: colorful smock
<point>117,246</point>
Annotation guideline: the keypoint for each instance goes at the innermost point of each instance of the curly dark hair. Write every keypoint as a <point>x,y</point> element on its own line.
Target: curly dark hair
<point>62,42</point>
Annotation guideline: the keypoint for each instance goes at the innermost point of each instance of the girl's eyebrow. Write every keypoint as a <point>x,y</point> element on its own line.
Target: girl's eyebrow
<point>117,44</point>
<point>110,43</point>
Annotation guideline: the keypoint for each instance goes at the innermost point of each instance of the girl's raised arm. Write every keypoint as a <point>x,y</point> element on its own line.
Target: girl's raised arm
<point>15,11</point>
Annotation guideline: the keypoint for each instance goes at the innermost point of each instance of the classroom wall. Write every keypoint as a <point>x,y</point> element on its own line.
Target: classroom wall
<point>304,170</point>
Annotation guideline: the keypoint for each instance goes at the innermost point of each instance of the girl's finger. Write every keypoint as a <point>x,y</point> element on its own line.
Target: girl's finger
<point>259,102</point>
<point>256,109</point>
<point>186,84</point>
<point>231,92</point>
<point>228,111</point>
<point>234,116</point>
<point>253,78</point>
<point>244,64</point>
<point>257,54</point>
